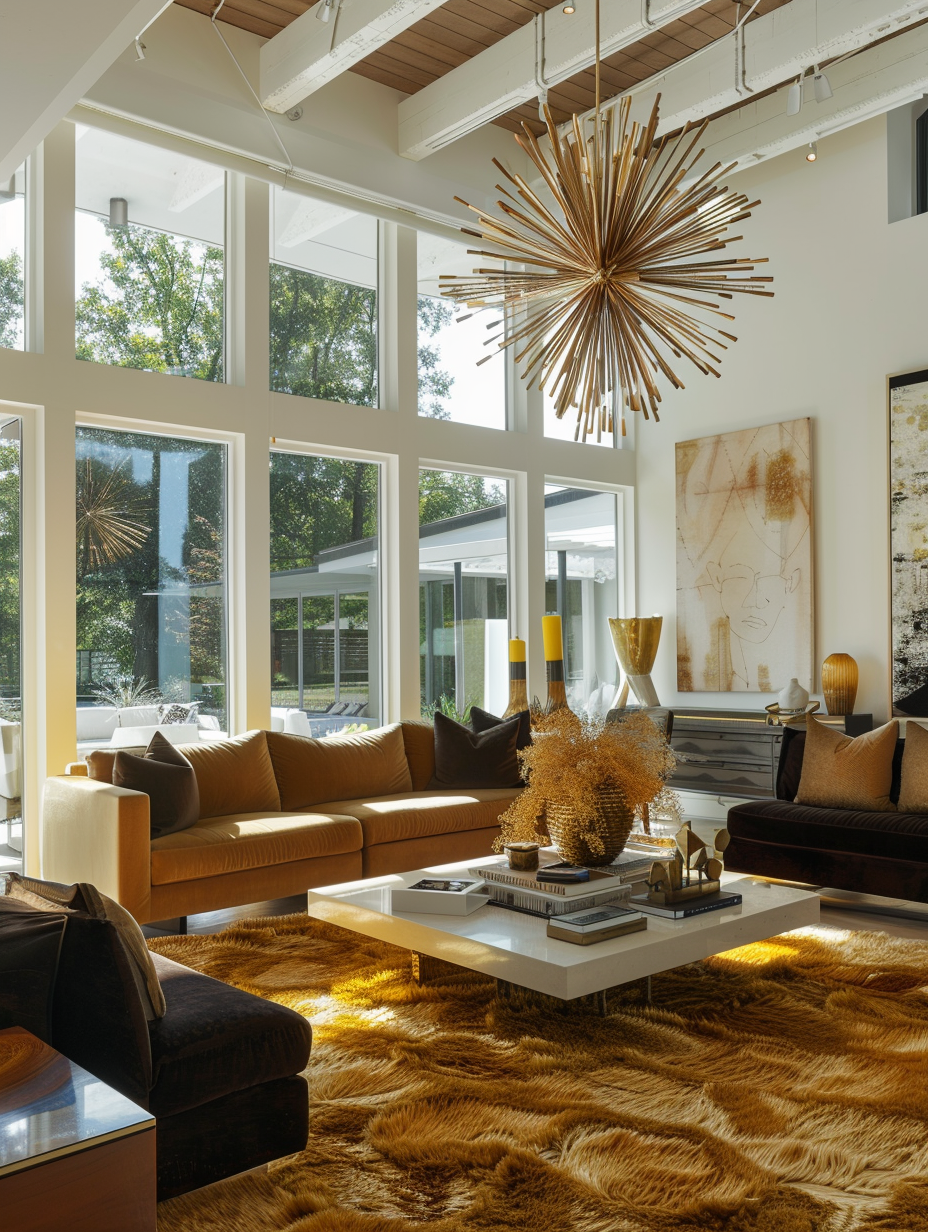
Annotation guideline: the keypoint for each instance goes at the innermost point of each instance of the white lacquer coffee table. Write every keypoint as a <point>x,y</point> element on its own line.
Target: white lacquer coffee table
<point>515,949</point>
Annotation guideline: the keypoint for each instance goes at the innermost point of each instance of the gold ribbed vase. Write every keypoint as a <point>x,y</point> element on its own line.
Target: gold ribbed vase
<point>839,683</point>
<point>570,835</point>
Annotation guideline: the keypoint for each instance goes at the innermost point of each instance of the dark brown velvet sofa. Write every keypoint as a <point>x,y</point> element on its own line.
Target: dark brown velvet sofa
<point>847,849</point>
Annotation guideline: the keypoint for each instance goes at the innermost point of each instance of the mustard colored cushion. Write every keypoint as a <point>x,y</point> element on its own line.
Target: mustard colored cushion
<point>234,776</point>
<point>419,741</point>
<point>341,767</point>
<point>913,791</point>
<point>841,771</point>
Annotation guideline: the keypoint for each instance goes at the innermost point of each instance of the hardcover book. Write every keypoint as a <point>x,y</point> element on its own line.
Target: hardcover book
<point>693,906</point>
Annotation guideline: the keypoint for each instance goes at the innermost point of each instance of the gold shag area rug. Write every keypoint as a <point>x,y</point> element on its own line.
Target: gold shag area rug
<point>781,1087</point>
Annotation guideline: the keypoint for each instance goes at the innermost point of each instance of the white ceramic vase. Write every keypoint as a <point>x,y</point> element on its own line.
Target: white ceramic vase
<point>793,697</point>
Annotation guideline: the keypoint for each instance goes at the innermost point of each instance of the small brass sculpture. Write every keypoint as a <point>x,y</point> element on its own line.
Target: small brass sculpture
<point>672,880</point>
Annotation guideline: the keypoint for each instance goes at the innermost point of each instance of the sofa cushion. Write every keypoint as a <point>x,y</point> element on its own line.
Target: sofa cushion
<point>481,721</point>
<point>215,1038</point>
<point>913,789</point>
<point>314,771</point>
<point>424,814</point>
<point>902,836</point>
<point>250,840</point>
<point>469,759</point>
<point>234,776</point>
<point>419,743</point>
<point>848,772</point>
<point>165,775</point>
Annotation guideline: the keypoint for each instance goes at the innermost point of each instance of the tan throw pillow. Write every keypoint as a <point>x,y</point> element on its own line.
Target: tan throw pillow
<point>234,776</point>
<point>841,771</point>
<point>913,792</point>
<point>419,742</point>
<point>340,767</point>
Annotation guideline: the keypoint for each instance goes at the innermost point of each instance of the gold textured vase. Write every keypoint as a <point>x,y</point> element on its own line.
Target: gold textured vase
<point>571,834</point>
<point>518,690</point>
<point>636,639</point>
<point>839,683</point>
<point>554,664</point>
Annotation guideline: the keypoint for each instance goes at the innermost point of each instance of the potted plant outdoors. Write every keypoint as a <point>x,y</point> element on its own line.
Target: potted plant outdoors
<point>586,781</point>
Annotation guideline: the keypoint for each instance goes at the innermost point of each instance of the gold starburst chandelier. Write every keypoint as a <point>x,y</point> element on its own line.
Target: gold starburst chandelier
<point>610,281</point>
<point>109,516</point>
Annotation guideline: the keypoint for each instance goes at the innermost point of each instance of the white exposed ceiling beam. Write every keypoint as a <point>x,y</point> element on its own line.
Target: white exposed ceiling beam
<point>776,47</point>
<point>54,54</point>
<point>508,74</point>
<point>308,53</point>
<point>870,84</point>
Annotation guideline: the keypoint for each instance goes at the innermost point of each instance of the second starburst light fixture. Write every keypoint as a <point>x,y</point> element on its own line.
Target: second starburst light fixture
<point>609,272</point>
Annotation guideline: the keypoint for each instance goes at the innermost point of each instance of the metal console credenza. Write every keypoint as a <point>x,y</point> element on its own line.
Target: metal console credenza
<point>735,752</point>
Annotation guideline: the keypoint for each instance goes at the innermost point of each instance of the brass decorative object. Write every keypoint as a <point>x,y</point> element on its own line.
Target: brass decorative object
<point>110,515</point>
<point>785,718</point>
<point>671,881</point>
<point>518,692</point>
<point>585,780</point>
<point>522,856</point>
<point>635,639</point>
<point>554,663</point>
<point>839,683</point>
<point>607,263</point>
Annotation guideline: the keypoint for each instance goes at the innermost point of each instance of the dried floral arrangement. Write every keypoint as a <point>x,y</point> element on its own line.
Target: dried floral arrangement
<point>570,762</point>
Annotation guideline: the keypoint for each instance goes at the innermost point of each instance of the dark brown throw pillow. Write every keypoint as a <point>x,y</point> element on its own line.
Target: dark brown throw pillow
<point>482,720</point>
<point>165,775</point>
<point>467,759</point>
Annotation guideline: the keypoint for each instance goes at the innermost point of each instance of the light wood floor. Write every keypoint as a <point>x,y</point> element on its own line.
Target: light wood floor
<point>857,919</point>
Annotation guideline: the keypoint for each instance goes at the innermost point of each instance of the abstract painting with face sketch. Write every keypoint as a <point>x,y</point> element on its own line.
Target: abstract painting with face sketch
<point>744,560</point>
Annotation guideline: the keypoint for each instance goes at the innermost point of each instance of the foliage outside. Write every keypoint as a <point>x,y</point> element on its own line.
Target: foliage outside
<point>12,302</point>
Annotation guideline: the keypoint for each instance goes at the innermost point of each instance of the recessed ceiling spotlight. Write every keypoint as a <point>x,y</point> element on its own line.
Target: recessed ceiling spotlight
<point>813,152</point>
<point>569,9</point>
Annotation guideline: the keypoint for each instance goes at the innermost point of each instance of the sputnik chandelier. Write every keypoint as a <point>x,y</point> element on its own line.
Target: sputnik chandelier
<point>608,276</point>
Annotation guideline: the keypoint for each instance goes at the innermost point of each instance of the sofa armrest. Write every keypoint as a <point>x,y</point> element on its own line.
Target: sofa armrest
<point>93,831</point>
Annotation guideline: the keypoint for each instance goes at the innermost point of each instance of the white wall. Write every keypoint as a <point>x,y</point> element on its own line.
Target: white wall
<point>850,308</point>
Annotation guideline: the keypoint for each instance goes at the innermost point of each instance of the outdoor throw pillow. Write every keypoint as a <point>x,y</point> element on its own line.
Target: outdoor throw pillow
<point>177,712</point>
<point>913,792</point>
<point>482,720</point>
<point>841,771</point>
<point>467,759</point>
<point>169,781</point>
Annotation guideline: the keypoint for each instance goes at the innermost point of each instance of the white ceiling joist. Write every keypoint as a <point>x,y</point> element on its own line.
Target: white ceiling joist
<point>868,85</point>
<point>309,53</point>
<point>60,51</point>
<point>775,47</point>
<point>511,72</point>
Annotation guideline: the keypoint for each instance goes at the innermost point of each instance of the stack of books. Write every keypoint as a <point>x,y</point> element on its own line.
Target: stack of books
<point>689,907</point>
<point>588,927</point>
<point>556,889</point>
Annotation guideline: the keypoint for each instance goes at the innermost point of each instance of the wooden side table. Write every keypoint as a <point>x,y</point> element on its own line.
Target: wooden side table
<point>74,1153</point>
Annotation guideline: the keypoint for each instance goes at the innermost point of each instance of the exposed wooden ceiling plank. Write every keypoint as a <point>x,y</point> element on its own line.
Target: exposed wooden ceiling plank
<point>309,53</point>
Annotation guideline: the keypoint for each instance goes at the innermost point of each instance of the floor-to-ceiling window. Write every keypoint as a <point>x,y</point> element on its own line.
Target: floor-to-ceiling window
<point>13,260</point>
<point>11,700</point>
<point>325,592</point>
<point>581,586</point>
<point>463,592</point>
<point>461,377</point>
<point>323,301</point>
<point>151,581</point>
<point>149,257</point>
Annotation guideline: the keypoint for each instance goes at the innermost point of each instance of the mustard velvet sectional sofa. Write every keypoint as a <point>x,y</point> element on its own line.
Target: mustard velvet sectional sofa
<point>279,814</point>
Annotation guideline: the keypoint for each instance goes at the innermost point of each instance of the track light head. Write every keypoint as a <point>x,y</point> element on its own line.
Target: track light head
<point>140,50</point>
<point>812,154</point>
<point>822,86</point>
<point>794,99</point>
<point>325,10</point>
<point>119,212</point>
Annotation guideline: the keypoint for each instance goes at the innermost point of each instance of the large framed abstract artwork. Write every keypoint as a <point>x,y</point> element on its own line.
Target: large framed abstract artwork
<point>744,560</point>
<point>908,521</point>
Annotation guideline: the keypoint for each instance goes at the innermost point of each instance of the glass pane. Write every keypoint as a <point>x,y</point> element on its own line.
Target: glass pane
<point>581,586</point>
<point>463,576</point>
<point>150,291</point>
<point>13,260</point>
<point>323,301</point>
<point>451,384</point>
<point>151,583</point>
<point>564,429</point>
<point>11,746</point>
<point>325,565</point>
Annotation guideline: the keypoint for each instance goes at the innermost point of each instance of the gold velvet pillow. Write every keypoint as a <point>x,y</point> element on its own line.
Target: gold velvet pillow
<point>913,793</point>
<point>419,742</point>
<point>841,771</point>
<point>234,776</point>
<point>339,767</point>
